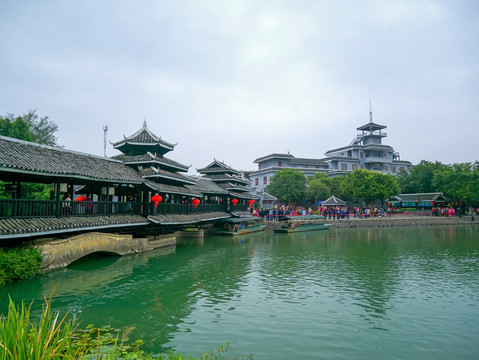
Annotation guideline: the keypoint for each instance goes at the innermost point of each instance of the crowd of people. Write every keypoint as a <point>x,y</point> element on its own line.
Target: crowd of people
<point>345,212</point>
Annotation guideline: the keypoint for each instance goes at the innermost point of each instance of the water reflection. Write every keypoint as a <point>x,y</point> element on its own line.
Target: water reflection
<point>314,291</point>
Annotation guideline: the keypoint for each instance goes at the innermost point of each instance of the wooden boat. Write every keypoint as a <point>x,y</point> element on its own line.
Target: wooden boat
<point>292,224</point>
<point>238,226</point>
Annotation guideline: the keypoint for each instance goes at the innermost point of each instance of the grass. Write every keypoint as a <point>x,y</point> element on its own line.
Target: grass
<point>54,337</point>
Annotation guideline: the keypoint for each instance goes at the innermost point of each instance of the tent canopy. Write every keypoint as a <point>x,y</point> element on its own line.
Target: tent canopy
<point>333,201</point>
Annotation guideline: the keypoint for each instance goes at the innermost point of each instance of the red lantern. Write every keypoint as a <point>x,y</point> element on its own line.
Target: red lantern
<point>432,203</point>
<point>234,201</point>
<point>156,199</point>
<point>250,202</point>
<point>81,198</point>
<point>195,202</point>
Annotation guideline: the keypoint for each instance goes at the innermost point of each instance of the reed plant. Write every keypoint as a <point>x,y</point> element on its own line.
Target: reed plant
<point>22,339</point>
<point>53,337</point>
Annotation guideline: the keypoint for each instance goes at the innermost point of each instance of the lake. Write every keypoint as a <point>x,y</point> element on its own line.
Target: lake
<point>376,293</point>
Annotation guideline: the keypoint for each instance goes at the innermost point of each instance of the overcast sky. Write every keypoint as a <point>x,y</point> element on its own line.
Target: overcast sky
<point>238,80</point>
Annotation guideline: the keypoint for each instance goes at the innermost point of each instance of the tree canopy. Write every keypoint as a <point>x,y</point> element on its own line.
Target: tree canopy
<point>319,188</point>
<point>369,186</point>
<point>420,178</point>
<point>288,185</point>
<point>459,182</point>
<point>29,127</point>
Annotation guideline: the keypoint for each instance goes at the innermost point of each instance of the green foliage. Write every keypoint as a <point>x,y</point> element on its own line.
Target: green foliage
<point>420,178</point>
<point>54,337</point>
<point>20,338</point>
<point>18,263</point>
<point>317,190</point>
<point>288,185</point>
<point>336,186</point>
<point>29,127</point>
<point>369,186</point>
<point>459,182</point>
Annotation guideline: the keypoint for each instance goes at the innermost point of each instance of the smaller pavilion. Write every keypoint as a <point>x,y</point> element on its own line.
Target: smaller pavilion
<point>333,201</point>
<point>228,179</point>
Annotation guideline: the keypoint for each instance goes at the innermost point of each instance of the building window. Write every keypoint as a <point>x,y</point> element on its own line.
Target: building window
<point>294,165</point>
<point>265,180</point>
<point>361,155</point>
<point>344,166</point>
<point>256,181</point>
<point>393,168</point>
<point>354,167</point>
<point>280,163</point>
<point>362,166</point>
<point>305,166</point>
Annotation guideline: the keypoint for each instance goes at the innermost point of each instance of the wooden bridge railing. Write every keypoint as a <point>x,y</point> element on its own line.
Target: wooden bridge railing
<point>20,208</point>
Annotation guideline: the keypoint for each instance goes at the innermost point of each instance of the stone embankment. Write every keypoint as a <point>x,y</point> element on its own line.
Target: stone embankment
<point>390,221</point>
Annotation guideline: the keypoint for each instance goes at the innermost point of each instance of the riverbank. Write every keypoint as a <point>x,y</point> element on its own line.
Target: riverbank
<point>390,221</point>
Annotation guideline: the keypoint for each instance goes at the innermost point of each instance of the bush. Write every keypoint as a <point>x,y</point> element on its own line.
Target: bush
<point>19,263</point>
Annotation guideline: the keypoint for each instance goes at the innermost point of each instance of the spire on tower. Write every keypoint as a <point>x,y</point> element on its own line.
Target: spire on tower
<point>370,109</point>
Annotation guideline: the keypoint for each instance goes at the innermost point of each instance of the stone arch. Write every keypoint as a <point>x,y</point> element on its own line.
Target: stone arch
<point>60,253</point>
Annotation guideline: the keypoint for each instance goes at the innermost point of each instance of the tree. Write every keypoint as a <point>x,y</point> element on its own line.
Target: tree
<point>317,190</point>
<point>369,186</point>
<point>288,185</point>
<point>420,178</point>
<point>29,127</point>
<point>459,182</point>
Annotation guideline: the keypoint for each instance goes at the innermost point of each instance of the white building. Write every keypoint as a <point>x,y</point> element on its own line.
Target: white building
<point>270,164</point>
<point>366,151</point>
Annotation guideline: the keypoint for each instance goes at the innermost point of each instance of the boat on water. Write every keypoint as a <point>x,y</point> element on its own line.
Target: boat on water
<point>293,224</point>
<point>238,226</point>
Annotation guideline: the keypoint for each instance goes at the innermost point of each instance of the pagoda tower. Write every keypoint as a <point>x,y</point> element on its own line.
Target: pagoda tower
<point>145,152</point>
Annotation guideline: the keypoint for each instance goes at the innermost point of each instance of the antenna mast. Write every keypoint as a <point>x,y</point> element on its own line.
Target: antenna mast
<point>370,109</point>
<point>105,130</point>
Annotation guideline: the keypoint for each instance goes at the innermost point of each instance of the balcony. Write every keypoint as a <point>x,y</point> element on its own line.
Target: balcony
<point>21,208</point>
<point>377,159</point>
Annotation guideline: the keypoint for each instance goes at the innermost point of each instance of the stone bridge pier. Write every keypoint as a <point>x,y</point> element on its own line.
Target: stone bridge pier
<point>59,253</point>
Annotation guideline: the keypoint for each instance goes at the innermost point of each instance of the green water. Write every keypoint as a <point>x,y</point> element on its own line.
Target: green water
<point>390,293</point>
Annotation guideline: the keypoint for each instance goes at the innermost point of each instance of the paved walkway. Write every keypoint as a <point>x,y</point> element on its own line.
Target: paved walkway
<point>391,221</point>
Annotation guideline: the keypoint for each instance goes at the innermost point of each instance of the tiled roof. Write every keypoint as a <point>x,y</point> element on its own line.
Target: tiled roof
<point>175,219</point>
<point>234,187</point>
<point>141,141</point>
<point>229,178</point>
<point>149,158</point>
<point>217,166</point>
<point>152,173</point>
<point>13,228</point>
<point>17,156</point>
<point>244,195</point>
<point>144,136</point>
<point>207,186</point>
<point>172,189</point>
